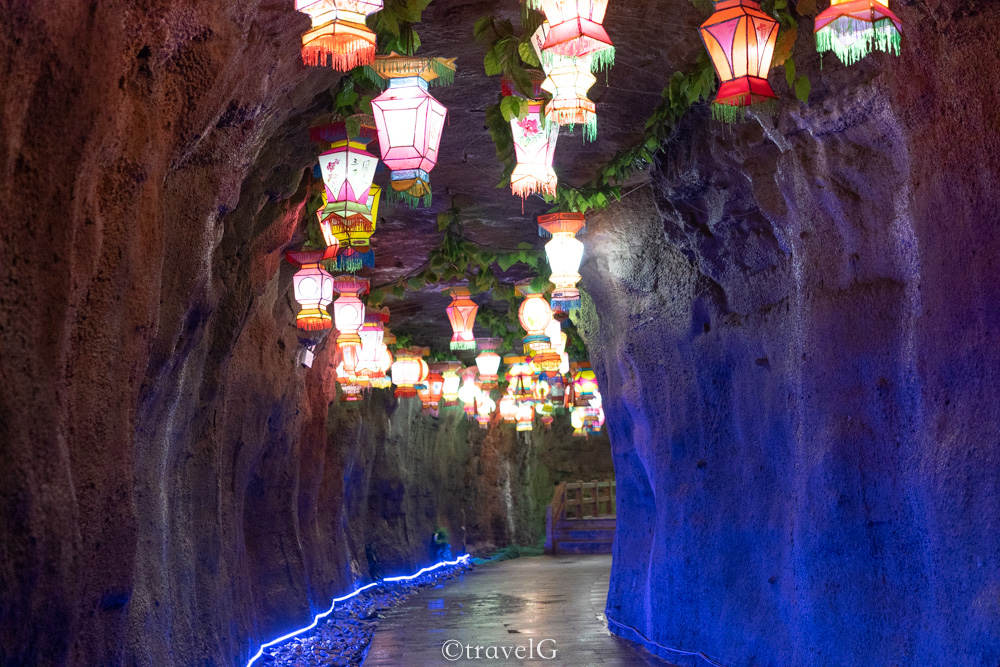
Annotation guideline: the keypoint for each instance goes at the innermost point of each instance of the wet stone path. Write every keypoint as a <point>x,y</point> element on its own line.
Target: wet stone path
<point>529,611</point>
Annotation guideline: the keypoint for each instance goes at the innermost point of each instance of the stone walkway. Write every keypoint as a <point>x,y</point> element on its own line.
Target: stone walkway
<point>517,603</point>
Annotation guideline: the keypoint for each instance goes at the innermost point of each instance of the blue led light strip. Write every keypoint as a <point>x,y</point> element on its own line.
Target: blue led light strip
<point>392,580</point>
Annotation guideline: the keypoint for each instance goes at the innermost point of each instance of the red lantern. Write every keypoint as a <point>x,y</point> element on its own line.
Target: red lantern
<point>853,28</point>
<point>740,39</point>
<point>313,290</point>
<point>338,35</point>
<point>348,309</point>
<point>576,29</point>
<point>462,314</point>
<point>410,121</point>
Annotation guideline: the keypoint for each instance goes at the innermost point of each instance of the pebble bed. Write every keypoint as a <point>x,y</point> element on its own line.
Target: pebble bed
<point>343,637</point>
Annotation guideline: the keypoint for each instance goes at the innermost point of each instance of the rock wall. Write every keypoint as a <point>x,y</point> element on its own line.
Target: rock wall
<point>174,489</point>
<point>795,330</point>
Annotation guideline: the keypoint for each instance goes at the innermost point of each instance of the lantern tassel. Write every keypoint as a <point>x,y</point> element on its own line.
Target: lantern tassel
<point>602,60</point>
<point>322,56</point>
<point>463,345</point>
<point>852,39</point>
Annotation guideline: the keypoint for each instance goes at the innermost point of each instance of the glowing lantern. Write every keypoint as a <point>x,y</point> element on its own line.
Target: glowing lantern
<point>535,149</point>
<point>338,35</point>
<point>347,168</point>
<point>313,290</point>
<point>436,383</point>
<point>410,121</point>
<point>409,370</point>
<point>452,383</point>
<point>508,408</point>
<point>740,39</point>
<point>485,408</point>
<point>576,29</point>
<point>565,253</point>
<point>853,28</point>
<point>348,310</point>
<point>521,379</point>
<point>469,393</point>
<point>584,384</point>
<point>557,337</point>
<point>534,315</point>
<point>525,416</point>
<point>488,362</point>
<point>350,226</point>
<point>568,80</point>
<point>462,314</point>
<point>371,357</point>
<point>350,393</point>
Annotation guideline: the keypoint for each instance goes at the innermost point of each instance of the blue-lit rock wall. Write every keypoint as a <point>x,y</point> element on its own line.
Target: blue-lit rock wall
<point>795,327</point>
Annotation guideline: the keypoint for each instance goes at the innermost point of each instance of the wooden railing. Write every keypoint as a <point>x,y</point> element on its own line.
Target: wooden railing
<point>579,500</point>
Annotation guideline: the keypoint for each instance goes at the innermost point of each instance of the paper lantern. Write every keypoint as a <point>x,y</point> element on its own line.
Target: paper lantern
<point>313,290</point>
<point>521,379</point>
<point>854,28</point>
<point>348,310</point>
<point>584,384</point>
<point>347,167</point>
<point>348,224</point>
<point>372,354</point>
<point>508,408</point>
<point>565,253</point>
<point>567,80</point>
<point>409,370</point>
<point>740,39</point>
<point>462,314</point>
<point>410,121</point>
<point>436,382</point>
<point>488,362</point>
<point>576,30</point>
<point>525,417</point>
<point>534,147</point>
<point>338,37</point>
<point>469,393</point>
<point>534,315</point>
<point>451,383</point>
<point>485,408</point>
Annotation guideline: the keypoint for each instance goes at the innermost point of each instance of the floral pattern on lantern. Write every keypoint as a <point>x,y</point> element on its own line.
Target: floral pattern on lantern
<point>488,362</point>
<point>534,147</point>
<point>576,30</point>
<point>338,37</point>
<point>462,315</point>
<point>854,28</point>
<point>348,310</point>
<point>567,80</point>
<point>740,39</point>
<point>410,121</point>
<point>565,253</point>
<point>313,290</point>
<point>534,315</point>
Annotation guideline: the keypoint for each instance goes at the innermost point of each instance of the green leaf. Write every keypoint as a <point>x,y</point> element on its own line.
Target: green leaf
<point>790,72</point>
<point>802,89</point>
<point>513,107</point>
<point>528,55</point>
<point>492,63</point>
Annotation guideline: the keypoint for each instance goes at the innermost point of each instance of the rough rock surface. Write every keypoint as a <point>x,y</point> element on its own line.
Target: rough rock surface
<point>795,331</point>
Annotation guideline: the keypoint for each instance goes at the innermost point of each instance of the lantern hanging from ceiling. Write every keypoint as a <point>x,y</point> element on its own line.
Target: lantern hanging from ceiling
<point>534,315</point>
<point>313,289</point>
<point>854,28</point>
<point>740,39</point>
<point>348,310</point>
<point>508,408</point>
<point>521,379</point>
<point>338,37</point>
<point>488,362</point>
<point>576,30</point>
<point>409,370</point>
<point>485,408</point>
<point>436,382</point>
<point>410,121</point>
<point>452,382</point>
<point>462,314</point>
<point>565,253</point>
<point>557,337</point>
<point>469,393</point>
<point>567,80</point>
<point>347,167</point>
<point>525,416</point>
<point>349,226</point>
<point>371,357</point>
<point>584,384</point>
<point>534,147</point>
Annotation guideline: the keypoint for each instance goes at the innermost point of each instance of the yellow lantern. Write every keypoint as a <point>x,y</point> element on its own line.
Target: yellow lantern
<point>409,370</point>
<point>451,383</point>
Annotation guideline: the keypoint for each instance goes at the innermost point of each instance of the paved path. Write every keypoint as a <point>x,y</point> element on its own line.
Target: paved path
<point>515,603</point>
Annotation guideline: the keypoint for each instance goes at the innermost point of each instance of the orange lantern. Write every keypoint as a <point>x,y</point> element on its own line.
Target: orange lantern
<point>462,314</point>
<point>488,362</point>
<point>576,29</point>
<point>348,310</point>
<point>410,121</point>
<point>565,253</point>
<point>436,383</point>
<point>534,315</point>
<point>313,289</point>
<point>853,28</point>
<point>740,39</point>
<point>339,36</point>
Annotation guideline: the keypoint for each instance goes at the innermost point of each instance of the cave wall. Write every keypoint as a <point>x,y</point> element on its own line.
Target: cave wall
<point>174,488</point>
<point>794,327</point>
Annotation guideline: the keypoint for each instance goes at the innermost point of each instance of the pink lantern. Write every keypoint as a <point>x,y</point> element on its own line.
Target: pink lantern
<point>313,289</point>
<point>488,362</point>
<point>576,29</point>
<point>462,314</point>
<point>410,121</point>
<point>348,309</point>
<point>534,146</point>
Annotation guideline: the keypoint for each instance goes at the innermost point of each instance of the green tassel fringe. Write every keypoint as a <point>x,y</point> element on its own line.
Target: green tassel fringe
<point>395,196</point>
<point>728,113</point>
<point>851,39</point>
<point>463,345</point>
<point>602,60</point>
<point>445,74</point>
